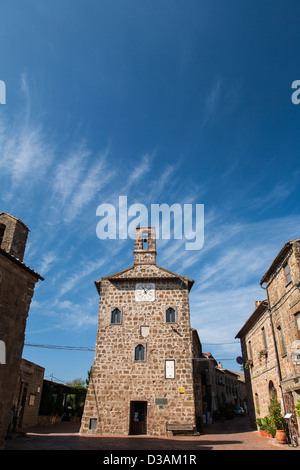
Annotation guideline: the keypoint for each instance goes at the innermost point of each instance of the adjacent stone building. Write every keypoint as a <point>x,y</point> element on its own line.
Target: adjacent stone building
<point>270,338</point>
<point>220,387</point>
<point>27,397</point>
<point>17,282</point>
<point>142,379</point>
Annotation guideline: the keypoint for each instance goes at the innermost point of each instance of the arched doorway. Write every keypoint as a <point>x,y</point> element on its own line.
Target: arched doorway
<point>272,390</point>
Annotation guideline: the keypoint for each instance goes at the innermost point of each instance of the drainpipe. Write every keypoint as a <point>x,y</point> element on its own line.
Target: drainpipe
<point>275,345</point>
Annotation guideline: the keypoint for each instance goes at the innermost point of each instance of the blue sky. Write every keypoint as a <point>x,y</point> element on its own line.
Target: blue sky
<point>164,102</point>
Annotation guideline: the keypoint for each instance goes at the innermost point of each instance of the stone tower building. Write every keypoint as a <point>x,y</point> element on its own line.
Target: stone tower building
<point>17,282</point>
<point>142,378</point>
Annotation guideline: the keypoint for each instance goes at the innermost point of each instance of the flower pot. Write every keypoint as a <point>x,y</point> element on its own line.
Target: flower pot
<point>281,436</point>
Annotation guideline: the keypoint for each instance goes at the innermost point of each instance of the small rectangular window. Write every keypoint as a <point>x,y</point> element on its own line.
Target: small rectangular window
<point>281,339</point>
<point>264,337</point>
<point>93,424</point>
<point>287,273</point>
<point>31,399</point>
<point>250,350</point>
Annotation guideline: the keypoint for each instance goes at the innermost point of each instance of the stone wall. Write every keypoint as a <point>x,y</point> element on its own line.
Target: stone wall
<point>17,282</point>
<point>273,328</point>
<point>284,298</point>
<point>16,291</point>
<point>264,371</point>
<point>117,379</point>
<point>28,394</point>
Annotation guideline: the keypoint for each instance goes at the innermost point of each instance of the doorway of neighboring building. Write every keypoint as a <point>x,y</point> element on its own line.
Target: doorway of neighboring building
<point>138,417</point>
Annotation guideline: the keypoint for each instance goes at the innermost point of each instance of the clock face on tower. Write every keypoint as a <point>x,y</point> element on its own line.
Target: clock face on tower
<point>145,292</point>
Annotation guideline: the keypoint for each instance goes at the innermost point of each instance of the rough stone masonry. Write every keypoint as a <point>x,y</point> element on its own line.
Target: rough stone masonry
<point>142,376</point>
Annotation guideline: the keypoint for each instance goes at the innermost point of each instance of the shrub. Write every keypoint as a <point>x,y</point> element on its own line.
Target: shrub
<point>276,419</point>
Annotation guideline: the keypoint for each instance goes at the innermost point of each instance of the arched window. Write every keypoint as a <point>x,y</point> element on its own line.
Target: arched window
<point>116,316</point>
<point>145,241</point>
<point>139,353</point>
<point>272,390</point>
<point>170,315</point>
<point>257,406</point>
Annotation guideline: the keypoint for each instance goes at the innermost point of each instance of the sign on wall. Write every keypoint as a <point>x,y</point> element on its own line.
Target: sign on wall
<point>170,369</point>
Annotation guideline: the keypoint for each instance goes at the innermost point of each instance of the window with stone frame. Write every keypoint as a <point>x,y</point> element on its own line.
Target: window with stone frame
<point>264,338</point>
<point>281,341</point>
<point>140,353</point>
<point>116,316</point>
<point>250,354</point>
<point>287,273</point>
<point>170,315</point>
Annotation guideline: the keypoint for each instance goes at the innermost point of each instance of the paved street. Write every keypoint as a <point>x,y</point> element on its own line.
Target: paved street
<point>235,434</point>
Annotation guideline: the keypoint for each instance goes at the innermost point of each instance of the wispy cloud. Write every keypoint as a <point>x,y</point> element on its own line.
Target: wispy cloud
<point>164,182</point>
<point>140,170</point>
<point>25,152</point>
<point>68,172</point>
<point>65,315</point>
<point>84,270</point>
<point>46,263</point>
<point>279,193</point>
<point>220,101</point>
<point>136,174</point>
<point>97,176</point>
<point>211,102</point>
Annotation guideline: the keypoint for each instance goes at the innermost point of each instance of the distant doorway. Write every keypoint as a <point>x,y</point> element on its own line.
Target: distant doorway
<point>138,417</point>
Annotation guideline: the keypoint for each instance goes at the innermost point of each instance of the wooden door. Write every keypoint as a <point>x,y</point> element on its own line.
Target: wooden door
<point>138,417</point>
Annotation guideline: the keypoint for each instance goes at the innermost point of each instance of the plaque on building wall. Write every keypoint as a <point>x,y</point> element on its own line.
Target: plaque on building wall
<point>161,401</point>
<point>170,369</point>
<point>144,331</point>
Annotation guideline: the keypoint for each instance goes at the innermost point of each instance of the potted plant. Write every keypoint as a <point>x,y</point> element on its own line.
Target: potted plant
<point>297,408</point>
<point>266,428</point>
<point>261,426</point>
<point>277,421</point>
<point>258,422</point>
<point>270,430</point>
<point>262,354</point>
<point>248,364</point>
